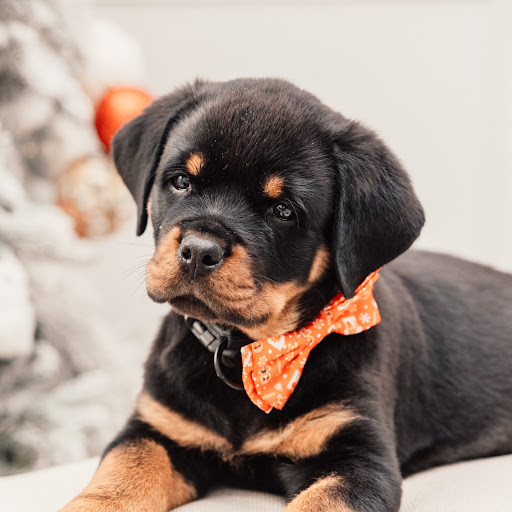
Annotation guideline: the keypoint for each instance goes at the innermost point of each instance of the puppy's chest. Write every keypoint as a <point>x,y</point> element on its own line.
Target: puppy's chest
<point>303,436</point>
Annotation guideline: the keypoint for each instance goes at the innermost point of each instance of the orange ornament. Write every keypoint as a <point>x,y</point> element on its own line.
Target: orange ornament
<point>118,106</point>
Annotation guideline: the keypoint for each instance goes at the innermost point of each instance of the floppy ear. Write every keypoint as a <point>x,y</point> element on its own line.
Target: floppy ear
<point>138,145</point>
<point>377,215</point>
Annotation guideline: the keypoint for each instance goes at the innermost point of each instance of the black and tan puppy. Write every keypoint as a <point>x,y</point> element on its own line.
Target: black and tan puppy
<point>265,204</point>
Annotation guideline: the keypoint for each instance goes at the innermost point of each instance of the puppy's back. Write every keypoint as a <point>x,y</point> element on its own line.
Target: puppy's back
<point>465,368</point>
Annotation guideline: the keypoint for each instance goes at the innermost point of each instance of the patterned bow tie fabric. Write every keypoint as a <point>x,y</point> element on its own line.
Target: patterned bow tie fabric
<point>273,366</point>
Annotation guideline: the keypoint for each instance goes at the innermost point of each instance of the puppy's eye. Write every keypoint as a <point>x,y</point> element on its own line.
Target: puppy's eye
<point>181,182</point>
<point>283,211</point>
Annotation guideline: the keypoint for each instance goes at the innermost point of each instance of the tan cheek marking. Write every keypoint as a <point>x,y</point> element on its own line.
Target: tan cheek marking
<point>306,436</point>
<point>185,432</point>
<point>234,279</point>
<point>148,207</point>
<point>319,265</point>
<point>273,186</point>
<point>324,494</point>
<point>280,300</point>
<point>136,476</point>
<point>195,163</point>
<point>163,268</point>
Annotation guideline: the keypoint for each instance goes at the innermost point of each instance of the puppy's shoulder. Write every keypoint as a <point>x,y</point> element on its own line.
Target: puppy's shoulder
<point>455,300</point>
<point>428,269</point>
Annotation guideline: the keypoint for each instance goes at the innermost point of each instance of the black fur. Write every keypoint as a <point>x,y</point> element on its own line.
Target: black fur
<point>139,160</point>
<point>432,382</point>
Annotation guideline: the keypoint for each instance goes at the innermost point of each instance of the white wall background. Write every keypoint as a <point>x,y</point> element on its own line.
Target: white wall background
<point>434,78</point>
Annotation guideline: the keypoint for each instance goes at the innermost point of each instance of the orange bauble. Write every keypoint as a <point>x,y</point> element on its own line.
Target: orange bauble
<point>118,106</point>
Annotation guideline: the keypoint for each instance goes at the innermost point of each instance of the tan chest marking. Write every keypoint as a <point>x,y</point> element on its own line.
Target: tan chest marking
<point>305,436</point>
<point>179,429</point>
<point>135,476</point>
<point>324,494</point>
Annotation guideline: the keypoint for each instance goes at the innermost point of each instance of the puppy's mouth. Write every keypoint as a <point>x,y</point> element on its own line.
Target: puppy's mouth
<point>191,306</point>
<point>209,309</point>
<point>208,300</point>
<point>259,313</point>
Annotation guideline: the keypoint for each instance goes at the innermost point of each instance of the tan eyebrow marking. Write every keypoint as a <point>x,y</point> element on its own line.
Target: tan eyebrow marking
<point>273,186</point>
<point>195,163</point>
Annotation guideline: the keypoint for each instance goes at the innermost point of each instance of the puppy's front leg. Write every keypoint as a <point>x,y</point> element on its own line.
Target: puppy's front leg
<point>332,493</point>
<point>359,473</point>
<point>134,476</point>
<point>326,494</point>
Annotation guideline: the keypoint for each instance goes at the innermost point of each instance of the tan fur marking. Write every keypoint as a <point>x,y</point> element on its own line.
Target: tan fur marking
<point>178,428</point>
<point>279,301</point>
<point>236,288</point>
<point>319,265</point>
<point>136,477</point>
<point>322,496</point>
<point>233,281</point>
<point>232,287</point>
<point>195,163</point>
<point>306,436</point>
<point>163,268</point>
<point>148,207</point>
<point>273,186</point>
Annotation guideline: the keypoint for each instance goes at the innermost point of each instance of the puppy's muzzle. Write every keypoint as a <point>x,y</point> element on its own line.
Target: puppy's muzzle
<point>198,256</point>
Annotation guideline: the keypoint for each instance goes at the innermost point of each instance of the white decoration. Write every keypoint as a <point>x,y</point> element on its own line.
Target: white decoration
<point>17,318</point>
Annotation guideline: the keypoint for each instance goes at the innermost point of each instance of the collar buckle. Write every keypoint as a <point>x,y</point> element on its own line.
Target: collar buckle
<point>210,336</point>
<point>215,340</point>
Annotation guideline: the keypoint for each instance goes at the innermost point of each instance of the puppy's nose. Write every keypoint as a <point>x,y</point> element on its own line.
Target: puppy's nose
<point>199,256</point>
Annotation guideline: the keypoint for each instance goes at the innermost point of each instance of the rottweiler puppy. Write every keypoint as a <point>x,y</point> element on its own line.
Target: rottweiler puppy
<point>284,365</point>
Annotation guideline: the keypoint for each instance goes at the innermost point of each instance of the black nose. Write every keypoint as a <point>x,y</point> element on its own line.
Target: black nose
<point>199,256</point>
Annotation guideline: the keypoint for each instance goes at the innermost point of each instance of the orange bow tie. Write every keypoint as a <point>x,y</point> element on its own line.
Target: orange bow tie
<point>272,367</point>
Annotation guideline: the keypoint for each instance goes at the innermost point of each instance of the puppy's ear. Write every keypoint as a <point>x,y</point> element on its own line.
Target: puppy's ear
<point>138,145</point>
<point>377,214</point>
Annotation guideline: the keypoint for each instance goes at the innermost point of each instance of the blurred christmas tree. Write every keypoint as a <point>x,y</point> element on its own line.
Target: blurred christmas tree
<point>57,354</point>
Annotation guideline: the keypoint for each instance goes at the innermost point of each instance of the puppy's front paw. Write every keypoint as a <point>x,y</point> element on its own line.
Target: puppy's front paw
<point>85,504</point>
<point>325,495</point>
<point>137,476</point>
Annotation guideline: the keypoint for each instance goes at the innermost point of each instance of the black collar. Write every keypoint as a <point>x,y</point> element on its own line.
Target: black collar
<point>216,340</point>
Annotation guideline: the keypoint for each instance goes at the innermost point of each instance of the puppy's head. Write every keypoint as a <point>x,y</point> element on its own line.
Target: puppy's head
<point>263,201</point>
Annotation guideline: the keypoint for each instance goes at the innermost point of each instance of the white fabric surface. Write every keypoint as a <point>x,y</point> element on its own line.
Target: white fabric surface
<point>476,486</point>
